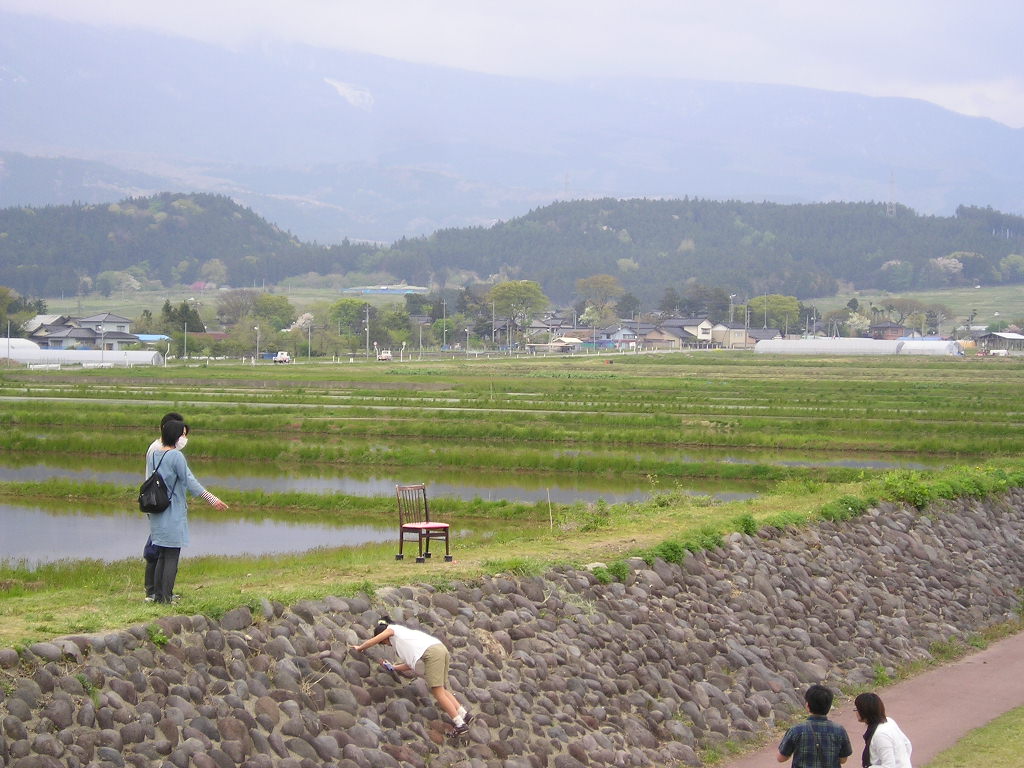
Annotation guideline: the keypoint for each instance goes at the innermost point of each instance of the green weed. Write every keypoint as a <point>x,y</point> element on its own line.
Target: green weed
<point>881,676</point>
<point>514,566</point>
<point>745,523</point>
<point>845,507</point>
<point>156,635</point>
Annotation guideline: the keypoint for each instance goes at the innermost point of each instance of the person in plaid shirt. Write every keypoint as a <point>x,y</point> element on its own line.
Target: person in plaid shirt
<point>817,742</point>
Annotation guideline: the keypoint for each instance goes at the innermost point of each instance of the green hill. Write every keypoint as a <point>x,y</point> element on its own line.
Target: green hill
<point>650,245</point>
<point>167,239</point>
<point>745,248</point>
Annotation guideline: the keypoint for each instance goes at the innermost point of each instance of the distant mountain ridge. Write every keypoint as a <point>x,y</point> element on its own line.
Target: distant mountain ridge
<point>649,245</point>
<point>335,145</point>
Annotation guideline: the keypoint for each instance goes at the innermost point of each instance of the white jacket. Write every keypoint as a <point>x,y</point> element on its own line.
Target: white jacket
<point>890,747</point>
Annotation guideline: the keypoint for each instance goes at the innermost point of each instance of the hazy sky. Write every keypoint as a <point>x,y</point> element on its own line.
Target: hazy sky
<point>965,56</point>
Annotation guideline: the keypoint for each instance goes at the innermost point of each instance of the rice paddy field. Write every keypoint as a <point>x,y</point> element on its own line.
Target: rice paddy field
<point>816,437</point>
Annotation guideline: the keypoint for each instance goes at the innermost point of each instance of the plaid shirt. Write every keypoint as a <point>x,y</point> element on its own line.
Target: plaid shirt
<point>817,742</point>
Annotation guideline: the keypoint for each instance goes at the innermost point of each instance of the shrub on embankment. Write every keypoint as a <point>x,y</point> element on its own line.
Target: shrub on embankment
<point>563,670</point>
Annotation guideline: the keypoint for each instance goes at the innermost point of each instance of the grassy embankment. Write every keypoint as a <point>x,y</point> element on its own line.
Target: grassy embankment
<point>561,416</point>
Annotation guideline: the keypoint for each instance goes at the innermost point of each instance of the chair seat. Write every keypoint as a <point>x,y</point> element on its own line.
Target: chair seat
<point>424,526</point>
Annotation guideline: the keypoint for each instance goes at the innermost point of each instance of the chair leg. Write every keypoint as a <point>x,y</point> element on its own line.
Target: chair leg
<point>401,544</point>
<point>421,559</point>
<point>447,549</point>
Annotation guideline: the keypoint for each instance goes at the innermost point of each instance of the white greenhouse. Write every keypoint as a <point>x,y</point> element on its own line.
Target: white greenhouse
<point>29,353</point>
<point>856,346</point>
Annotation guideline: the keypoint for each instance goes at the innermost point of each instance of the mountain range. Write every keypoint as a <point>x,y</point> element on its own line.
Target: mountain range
<point>331,145</point>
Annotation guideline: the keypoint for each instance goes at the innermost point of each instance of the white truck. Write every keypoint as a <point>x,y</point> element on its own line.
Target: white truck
<point>282,357</point>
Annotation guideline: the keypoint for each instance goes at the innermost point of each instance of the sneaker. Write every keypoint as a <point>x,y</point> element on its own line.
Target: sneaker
<point>150,599</point>
<point>459,730</point>
<point>467,719</point>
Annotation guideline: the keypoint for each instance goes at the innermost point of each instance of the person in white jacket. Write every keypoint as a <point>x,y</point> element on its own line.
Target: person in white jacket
<point>885,745</point>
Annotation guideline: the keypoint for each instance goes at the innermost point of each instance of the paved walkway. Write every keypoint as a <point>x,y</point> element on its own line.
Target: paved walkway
<point>936,708</point>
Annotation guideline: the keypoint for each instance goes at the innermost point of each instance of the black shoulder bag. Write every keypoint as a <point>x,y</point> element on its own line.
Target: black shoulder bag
<point>154,497</point>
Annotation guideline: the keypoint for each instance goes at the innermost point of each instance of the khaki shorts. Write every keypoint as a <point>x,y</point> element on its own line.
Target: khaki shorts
<point>435,665</point>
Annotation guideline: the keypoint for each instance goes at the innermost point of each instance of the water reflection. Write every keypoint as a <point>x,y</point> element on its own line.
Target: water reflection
<point>35,535</point>
<point>320,478</point>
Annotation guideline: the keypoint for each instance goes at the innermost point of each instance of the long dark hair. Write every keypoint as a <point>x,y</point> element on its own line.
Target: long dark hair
<point>872,711</point>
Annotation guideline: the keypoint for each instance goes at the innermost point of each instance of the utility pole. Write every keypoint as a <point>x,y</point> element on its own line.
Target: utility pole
<point>444,323</point>
<point>367,330</point>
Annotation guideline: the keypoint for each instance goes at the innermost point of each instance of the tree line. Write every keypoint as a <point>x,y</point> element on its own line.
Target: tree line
<point>745,249</point>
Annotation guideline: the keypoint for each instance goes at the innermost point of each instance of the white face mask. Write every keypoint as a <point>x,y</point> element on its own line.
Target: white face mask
<point>182,442</point>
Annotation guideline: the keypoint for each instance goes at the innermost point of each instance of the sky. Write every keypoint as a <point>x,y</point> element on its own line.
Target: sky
<point>964,56</point>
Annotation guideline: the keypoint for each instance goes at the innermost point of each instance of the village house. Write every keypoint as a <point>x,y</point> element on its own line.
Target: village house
<point>105,331</point>
<point>698,327</point>
<point>730,335</point>
<point>887,330</point>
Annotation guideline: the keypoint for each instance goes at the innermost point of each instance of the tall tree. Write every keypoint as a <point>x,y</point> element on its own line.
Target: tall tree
<point>349,316</point>
<point>232,306</point>
<point>627,305</point>
<point>276,311</point>
<point>518,300</point>
<point>669,303</point>
<point>600,293</point>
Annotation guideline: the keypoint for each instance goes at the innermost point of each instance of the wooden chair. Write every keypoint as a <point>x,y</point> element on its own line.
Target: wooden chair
<point>414,520</point>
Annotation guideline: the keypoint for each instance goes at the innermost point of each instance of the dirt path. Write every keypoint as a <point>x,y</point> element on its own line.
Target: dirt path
<point>935,709</point>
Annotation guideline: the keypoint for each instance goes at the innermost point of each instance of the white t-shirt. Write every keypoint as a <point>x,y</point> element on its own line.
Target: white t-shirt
<point>410,644</point>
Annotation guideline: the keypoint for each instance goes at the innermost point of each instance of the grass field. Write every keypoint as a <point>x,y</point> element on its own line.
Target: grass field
<point>996,745</point>
<point>991,304</point>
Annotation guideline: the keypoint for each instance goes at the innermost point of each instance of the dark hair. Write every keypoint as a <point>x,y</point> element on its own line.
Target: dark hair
<point>171,431</point>
<point>381,625</point>
<point>819,699</point>
<point>870,708</point>
<point>172,416</point>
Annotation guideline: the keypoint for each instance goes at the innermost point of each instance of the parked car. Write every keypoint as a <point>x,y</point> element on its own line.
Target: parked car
<point>384,354</point>
<point>282,357</point>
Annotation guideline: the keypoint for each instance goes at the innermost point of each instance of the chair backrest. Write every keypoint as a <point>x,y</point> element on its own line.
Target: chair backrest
<point>412,504</point>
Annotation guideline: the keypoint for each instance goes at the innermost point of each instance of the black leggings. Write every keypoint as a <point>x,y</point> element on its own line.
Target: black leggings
<point>150,554</point>
<point>166,572</point>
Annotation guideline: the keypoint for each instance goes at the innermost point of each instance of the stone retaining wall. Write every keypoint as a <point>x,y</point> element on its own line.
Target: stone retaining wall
<point>562,670</point>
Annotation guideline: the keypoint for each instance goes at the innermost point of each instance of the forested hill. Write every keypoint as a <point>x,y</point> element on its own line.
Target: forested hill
<point>163,240</point>
<point>650,245</point>
<point>745,248</point>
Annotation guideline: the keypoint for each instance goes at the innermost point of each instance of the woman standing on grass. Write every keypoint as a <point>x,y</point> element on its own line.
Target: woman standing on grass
<point>169,529</point>
<point>885,745</point>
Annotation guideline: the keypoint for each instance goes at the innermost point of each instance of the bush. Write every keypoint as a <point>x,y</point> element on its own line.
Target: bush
<point>746,523</point>
<point>620,570</point>
<point>908,487</point>
<point>843,508</point>
<point>669,551</point>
